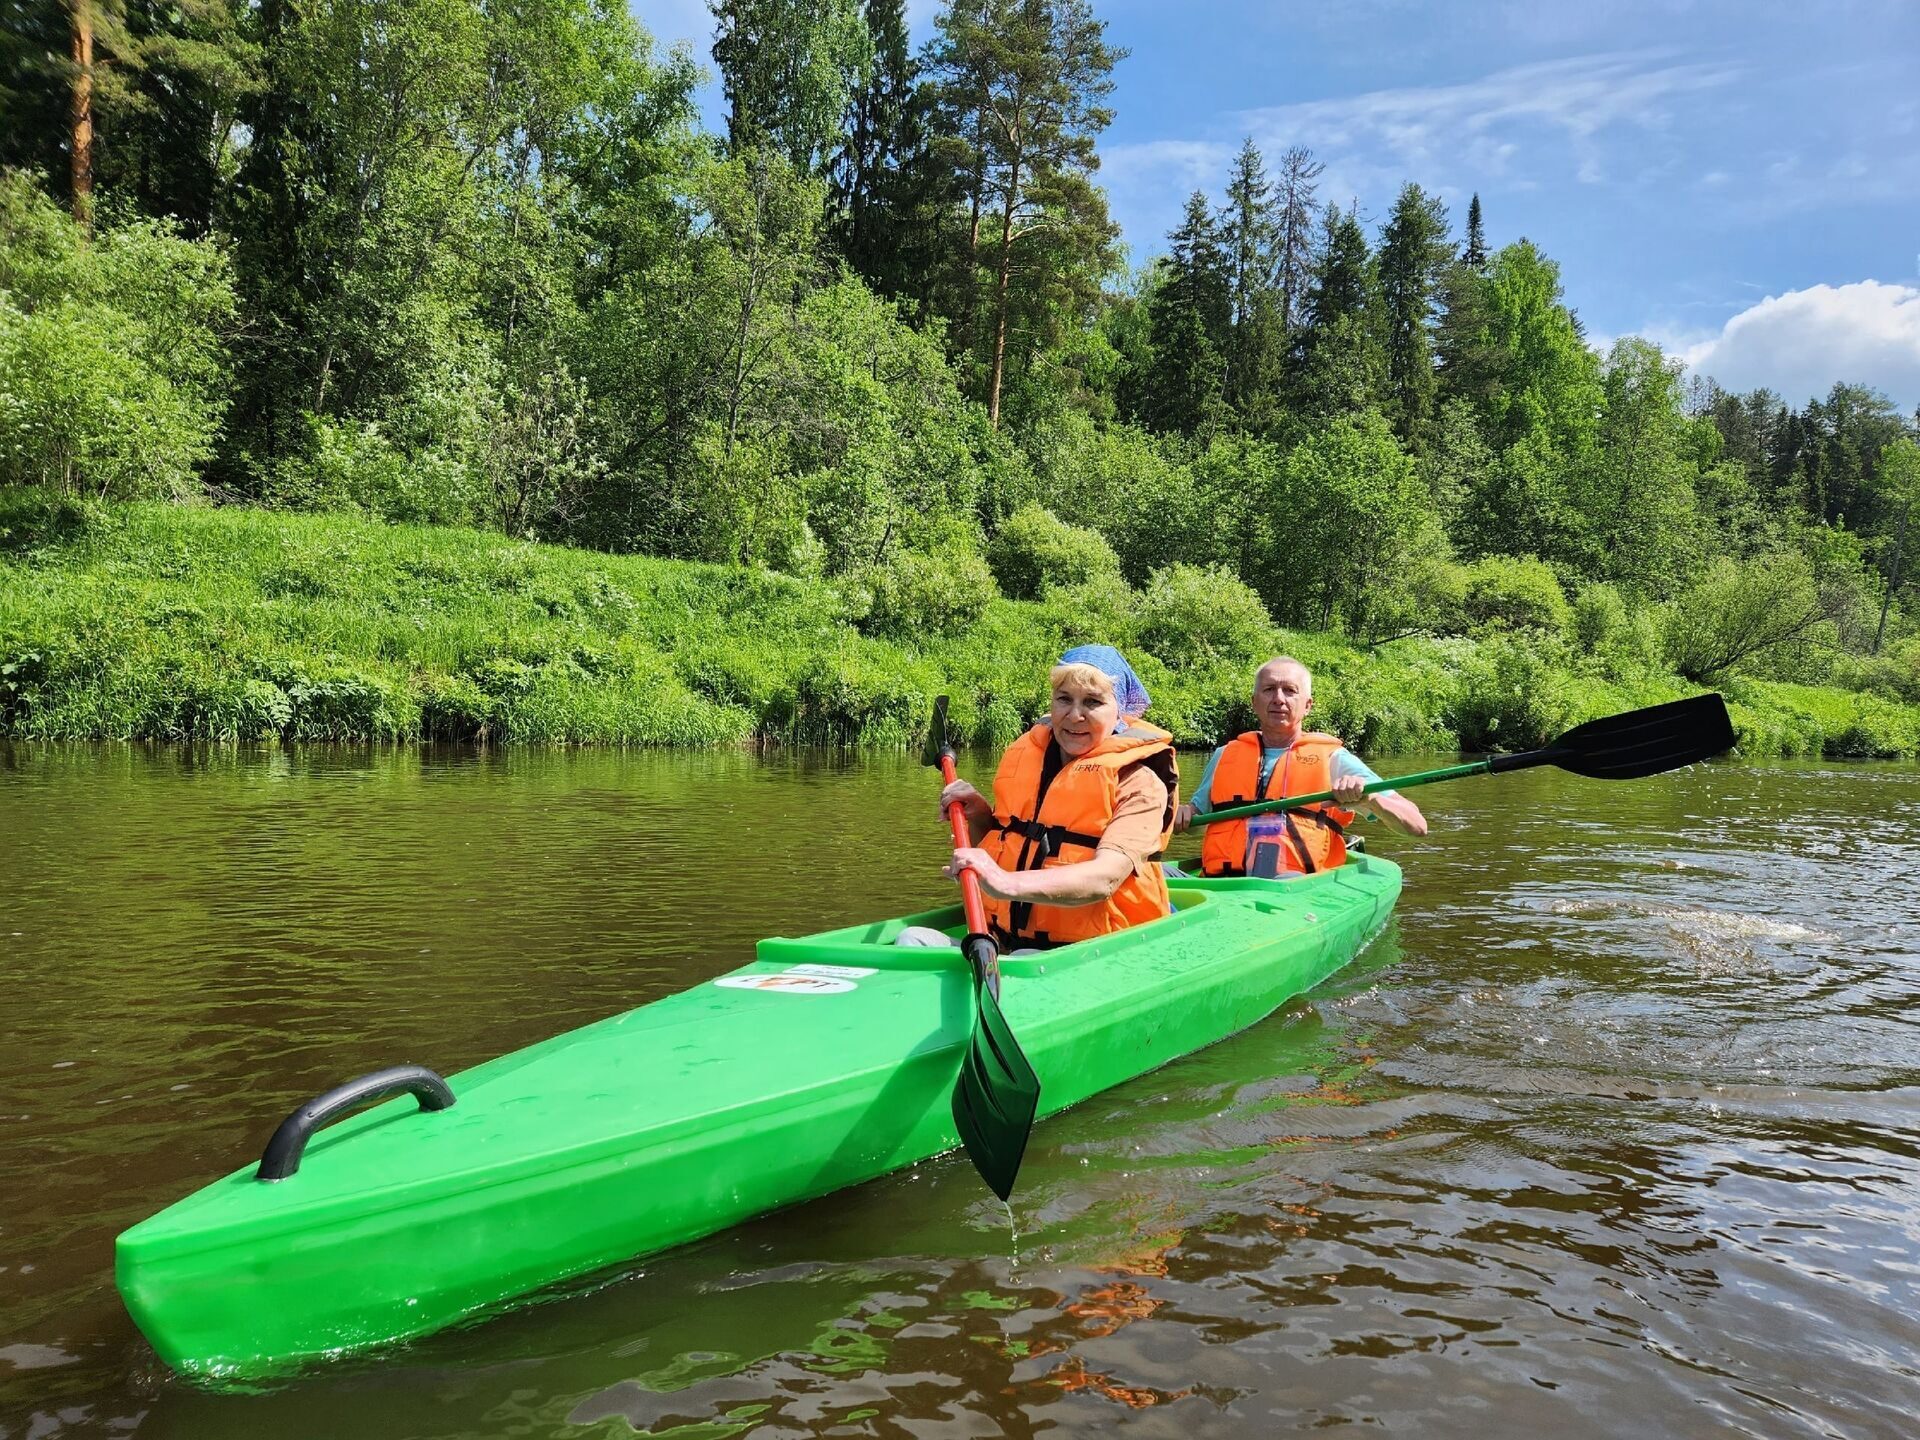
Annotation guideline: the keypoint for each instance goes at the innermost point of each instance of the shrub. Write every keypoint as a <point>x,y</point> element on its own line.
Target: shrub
<point>1508,592</point>
<point>918,596</point>
<point>113,372</point>
<point>1741,610</point>
<point>1035,551</point>
<point>1515,694</point>
<point>1195,615</point>
<point>1623,643</point>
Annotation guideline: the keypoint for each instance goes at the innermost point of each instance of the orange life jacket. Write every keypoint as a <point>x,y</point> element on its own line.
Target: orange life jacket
<point>1050,811</point>
<point>1312,838</point>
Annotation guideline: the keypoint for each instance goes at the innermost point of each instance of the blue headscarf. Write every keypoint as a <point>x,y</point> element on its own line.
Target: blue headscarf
<point>1127,688</point>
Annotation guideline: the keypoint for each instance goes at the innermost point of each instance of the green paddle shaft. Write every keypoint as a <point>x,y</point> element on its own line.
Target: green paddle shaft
<point>1648,741</point>
<point>1294,802</point>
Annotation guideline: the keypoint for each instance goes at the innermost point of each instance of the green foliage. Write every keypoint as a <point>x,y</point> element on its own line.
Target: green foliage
<point>1515,593</point>
<point>1625,643</point>
<point>166,622</point>
<point>1517,691</point>
<point>112,362</point>
<point>1352,518</point>
<point>919,597</point>
<point>1194,615</point>
<point>1035,551</point>
<point>1738,612</point>
<point>787,70</point>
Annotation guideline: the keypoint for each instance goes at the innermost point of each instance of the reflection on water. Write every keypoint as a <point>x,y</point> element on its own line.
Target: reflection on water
<point>1616,1132</point>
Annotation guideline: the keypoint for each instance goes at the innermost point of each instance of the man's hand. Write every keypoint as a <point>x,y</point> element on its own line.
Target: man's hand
<point>1349,792</point>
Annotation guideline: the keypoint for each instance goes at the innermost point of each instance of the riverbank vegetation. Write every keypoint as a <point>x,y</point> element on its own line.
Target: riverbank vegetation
<point>681,437</point>
<point>160,621</point>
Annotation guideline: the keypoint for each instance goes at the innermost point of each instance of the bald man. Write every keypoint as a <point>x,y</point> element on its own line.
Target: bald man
<point>1284,758</point>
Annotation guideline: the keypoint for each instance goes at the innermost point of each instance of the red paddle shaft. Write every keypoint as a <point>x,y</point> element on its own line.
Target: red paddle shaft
<point>976,908</point>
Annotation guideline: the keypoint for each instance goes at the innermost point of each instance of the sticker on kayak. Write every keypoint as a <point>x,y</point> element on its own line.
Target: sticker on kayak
<point>789,984</point>
<point>833,972</point>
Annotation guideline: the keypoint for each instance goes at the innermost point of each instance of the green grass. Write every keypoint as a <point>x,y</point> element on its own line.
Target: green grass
<point>167,622</point>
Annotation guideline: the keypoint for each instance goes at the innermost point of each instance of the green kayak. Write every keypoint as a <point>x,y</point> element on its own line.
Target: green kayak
<point>827,1061</point>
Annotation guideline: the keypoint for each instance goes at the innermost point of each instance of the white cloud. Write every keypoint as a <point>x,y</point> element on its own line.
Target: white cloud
<point>1800,343</point>
<point>1517,125</point>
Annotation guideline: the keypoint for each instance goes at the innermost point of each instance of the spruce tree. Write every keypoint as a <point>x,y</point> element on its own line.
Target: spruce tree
<point>1190,318</point>
<point>1414,254</point>
<point>1247,237</point>
<point>872,175</point>
<point>1337,366</point>
<point>1294,227</point>
<point>1474,256</point>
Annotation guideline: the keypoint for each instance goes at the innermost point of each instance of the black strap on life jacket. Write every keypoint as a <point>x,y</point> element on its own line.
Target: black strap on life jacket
<point>1033,851</point>
<point>1043,842</point>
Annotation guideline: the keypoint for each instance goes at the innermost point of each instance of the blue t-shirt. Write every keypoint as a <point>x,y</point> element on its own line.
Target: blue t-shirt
<point>1343,764</point>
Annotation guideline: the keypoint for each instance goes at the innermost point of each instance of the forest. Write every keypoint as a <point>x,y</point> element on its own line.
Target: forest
<point>478,264</point>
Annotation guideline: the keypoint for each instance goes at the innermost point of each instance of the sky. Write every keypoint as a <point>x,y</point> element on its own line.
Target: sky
<point>1738,180</point>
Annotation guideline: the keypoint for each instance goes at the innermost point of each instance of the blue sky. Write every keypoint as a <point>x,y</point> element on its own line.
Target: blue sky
<point>1737,179</point>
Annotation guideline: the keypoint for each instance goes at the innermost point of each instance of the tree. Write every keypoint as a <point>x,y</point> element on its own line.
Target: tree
<point>1474,254</point>
<point>1247,236</point>
<point>1639,523</point>
<point>1544,381</point>
<point>1740,610</point>
<point>1191,322</point>
<point>1337,362</point>
<point>1294,214</point>
<point>1361,518</point>
<point>884,125</point>
<point>1900,474</point>
<point>1033,76</point>
<point>787,68</point>
<point>1414,254</point>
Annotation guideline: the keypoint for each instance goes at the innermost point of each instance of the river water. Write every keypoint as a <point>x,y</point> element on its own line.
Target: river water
<point>1615,1132</point>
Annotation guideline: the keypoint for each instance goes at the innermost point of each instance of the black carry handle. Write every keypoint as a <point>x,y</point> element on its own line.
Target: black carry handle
<point>282,1155</point>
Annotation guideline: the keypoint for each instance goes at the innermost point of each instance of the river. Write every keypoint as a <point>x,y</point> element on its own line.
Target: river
<point>1615,1131</point>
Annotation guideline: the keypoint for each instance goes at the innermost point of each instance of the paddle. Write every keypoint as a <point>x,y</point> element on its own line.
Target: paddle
<point>997,1094</point>
<point>1619,747</point>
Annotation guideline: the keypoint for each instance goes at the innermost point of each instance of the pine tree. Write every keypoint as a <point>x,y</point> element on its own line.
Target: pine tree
<point>1414,254</point>
<point>1031,79</point>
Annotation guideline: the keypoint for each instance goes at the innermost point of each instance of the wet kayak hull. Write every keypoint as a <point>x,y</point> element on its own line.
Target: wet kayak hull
<point>827,1061</point>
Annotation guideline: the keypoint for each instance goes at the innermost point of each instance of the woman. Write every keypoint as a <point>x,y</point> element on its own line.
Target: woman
<point>1082,808</point>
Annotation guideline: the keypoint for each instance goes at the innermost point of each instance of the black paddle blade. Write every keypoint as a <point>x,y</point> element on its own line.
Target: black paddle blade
<point>996,1098</point>
<point>936,745</point>
<point>1646,742</point>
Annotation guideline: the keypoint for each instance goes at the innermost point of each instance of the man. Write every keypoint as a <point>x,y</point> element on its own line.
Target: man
<point>1282,758</point>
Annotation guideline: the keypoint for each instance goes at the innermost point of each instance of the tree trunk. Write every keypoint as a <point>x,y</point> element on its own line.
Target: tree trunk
<point>81,110</point>
<point>1002,285</point>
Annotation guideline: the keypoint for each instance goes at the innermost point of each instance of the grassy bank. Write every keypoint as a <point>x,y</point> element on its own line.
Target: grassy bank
<point>154,621</point>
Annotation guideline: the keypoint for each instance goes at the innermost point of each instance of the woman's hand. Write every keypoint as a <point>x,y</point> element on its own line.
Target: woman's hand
<point>1182,818</point>
<point>1001,884</point>
<point>972,803</point>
